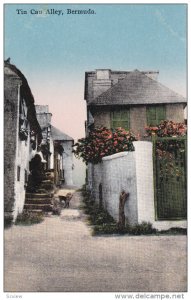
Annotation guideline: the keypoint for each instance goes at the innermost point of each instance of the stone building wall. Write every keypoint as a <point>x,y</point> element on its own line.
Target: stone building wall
<point>67,158</point>
<point>138,117</point>
<point>175,112</point>
<point>19,122</point>
<point>23,155</point>
<point>11,108</point>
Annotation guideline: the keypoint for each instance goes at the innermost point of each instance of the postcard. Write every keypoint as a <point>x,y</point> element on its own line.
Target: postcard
<point>95,150</point>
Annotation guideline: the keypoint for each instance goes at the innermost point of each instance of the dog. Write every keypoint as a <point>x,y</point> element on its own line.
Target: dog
<point>66,199</point>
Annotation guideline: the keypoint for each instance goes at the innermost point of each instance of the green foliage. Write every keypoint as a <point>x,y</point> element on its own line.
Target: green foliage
<point>103,142</point>
<point>170,145</point>
<point>142,229</point>
<point>174,231</point>
<point>103,222</point>
<point>29,218</point>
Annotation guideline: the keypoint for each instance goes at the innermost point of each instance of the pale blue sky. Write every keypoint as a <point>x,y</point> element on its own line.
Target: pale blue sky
<point>54,52</point>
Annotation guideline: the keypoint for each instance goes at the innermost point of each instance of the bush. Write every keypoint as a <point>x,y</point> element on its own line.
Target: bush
<point>167,129</point>
<point>174,231</point>
<point>29,218</point>
<point>103,142</point>
<point>103,222</point>
<point>141,229</point>
<point>105,228</point>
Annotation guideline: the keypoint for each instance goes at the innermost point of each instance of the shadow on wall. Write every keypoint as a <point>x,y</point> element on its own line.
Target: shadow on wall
<point>79,172</point>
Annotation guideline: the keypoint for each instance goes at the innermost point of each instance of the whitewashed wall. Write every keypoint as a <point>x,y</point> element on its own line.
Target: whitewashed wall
<point>52,153</point>
<point>68,162</point>
<point>133,173</point>
<point>22,160</point>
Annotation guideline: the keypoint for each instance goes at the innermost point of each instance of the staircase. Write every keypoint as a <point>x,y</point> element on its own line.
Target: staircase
<point>41,200</point>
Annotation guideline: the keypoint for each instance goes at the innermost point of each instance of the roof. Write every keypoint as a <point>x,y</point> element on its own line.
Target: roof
<point>12,71</point>
<point>58,135</point>
<point>137,88</point>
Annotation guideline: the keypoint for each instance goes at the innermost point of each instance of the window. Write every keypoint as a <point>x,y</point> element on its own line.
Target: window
<point>155,114</point>
<point>18,173</point>
<point>120,118</point>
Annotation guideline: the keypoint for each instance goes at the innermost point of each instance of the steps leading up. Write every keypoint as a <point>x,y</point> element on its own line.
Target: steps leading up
<point>41,199</point>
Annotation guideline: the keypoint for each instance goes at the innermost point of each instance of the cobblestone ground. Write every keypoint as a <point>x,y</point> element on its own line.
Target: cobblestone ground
<point>61,255</point>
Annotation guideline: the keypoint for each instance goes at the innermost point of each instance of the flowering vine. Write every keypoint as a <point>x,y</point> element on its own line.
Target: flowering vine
<point>103,142</point>
<point>170,149</point>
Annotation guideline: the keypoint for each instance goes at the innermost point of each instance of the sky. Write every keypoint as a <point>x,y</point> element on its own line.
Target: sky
<point>54,51</point>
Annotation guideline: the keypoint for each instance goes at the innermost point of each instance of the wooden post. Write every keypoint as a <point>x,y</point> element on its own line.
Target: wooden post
<point>122,199</point>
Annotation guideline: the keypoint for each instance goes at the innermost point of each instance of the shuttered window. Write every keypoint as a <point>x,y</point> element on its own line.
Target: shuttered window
<point>120,118</point>
<point>155,114</point>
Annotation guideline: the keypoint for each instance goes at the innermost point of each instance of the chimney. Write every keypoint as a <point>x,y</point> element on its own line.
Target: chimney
<point>152,74</point>
<point>102,81</point>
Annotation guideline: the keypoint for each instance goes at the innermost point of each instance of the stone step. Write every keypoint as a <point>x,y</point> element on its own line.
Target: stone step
<point>46,181</point>
<point>38,196</point>
<point>38,201</point>
<point>41,191</point>
<point>43,207</point>
<point>48,186</point>
<point>33,210</point>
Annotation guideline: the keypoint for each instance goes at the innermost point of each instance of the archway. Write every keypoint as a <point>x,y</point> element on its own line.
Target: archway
<point>36,173</point>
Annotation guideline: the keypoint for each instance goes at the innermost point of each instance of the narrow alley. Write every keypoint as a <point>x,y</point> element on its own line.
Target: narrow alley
<point>61,255</point>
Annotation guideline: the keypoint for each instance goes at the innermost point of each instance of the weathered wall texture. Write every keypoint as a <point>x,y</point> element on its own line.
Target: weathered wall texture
<point>11,88</point>
<point>22,161</point>
<point>138,117</point>
<point>17,153</point>
<point>68,162</point>
<point>102,118</point>
<point>133,173</point>
<point>116,173</point>
<point>175,112</point>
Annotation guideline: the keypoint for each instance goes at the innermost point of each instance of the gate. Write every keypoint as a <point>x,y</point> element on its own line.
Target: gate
<point>169,157</point>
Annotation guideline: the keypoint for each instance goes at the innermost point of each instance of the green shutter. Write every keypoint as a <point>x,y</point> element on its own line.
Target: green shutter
<point>160,113</point>
<point>120,118</point>
<point>151,115</point>
<point>155,114</point>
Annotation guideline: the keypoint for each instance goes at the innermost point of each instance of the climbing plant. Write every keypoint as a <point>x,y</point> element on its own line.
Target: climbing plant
<point>167,129</point>
<point>103,142</point>
<point>169,140</point>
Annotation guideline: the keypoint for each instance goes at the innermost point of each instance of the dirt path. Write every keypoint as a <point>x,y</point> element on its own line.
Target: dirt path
<point>60,255</point>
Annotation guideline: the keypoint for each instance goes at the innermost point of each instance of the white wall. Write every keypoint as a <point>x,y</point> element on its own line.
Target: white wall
<point>133,173</point>
<point>145,181</point>
<point>52,153</point>
<point>22,160</point>
<point>145,188</point>
<point>68,162</point>
<point>116,173</point>
<point>79,172</point>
